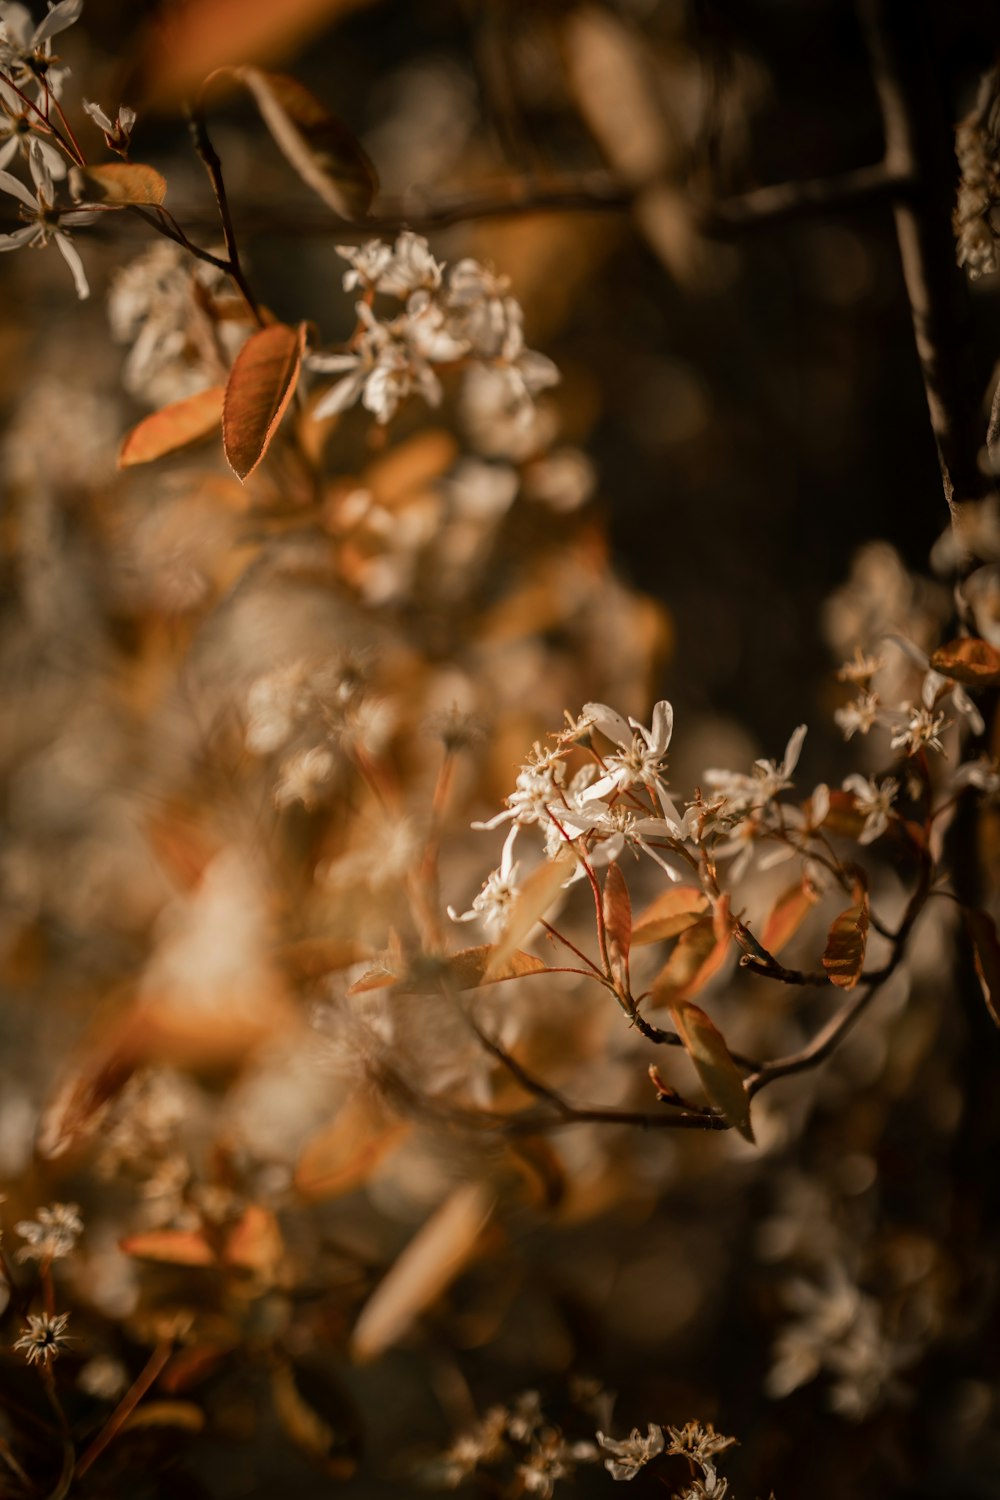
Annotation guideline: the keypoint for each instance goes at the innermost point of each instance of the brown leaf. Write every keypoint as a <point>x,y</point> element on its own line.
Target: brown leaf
<point>326,155</point>
<point>190,39</point>
<point>172,427</point>
<point>475,966</point>
<point>346,1152</point>
<point>174,1247</point>
<point>844,956</point>
<point>437,1253</point>
<point>789,912</point>
<point>843,817</point>
<point>986,949</point>
<point>974,662</point>
<point>720,1076</point>
<point>254,1242</point>
<point>674,911</point>
<point>532,901</point>
<point>261,383</point>
<point>118,183</point>
<point>311,958</point>
<point>165,1414</point>
<point>313,1412</point>
<point>81,1100</point>
<point>699,955</point>
<point>617,910</point>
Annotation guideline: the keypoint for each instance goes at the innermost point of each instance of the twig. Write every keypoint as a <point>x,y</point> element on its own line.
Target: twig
<point>213,166</point>
<point>125,1407</point>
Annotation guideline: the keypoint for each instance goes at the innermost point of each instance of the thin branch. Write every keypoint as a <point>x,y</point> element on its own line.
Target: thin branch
<point>126,1406</point>
<point>198,128</point>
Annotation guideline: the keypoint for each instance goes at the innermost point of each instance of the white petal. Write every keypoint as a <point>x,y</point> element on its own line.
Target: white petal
<point>19,237</point>
<point>68,251</point>
<point>793,750</point>
<point>339,397</point>
<point>98,116</point>
<point>58,18</point>
<point>17,189</point>
<point>662,725</point>
<point>610,723</point>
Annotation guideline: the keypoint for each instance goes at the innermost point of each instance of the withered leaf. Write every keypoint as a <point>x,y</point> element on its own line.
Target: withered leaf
<point>968,660</point>
<point>166,1414</point>
<point>438,1252</point>
<point>844,955</point>
<point>986,950</point>
<point>324,152</point>
<point>172,427</point>
<point>345,1153</point>
<point>699,955</point>
<point>315,1414</point>
<point>175,1247</point>
<point>789,912</point>
<point>311,958</point>
<point>118,183</point>
<point>722,1080</point>
<point>674,911</point>
<point>261,383</point>
<point>617,910</point>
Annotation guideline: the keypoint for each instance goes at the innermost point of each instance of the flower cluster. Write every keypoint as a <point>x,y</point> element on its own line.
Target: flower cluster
<point>447,321</point>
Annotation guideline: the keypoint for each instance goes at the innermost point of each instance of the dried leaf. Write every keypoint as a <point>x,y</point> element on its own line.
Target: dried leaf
<point>789,912</point>
<point>166,1414</point>
<point>261,383</point>
<point>986,949</point>
<point>844,956</point>
<point>699,955</point>
<point>673,912</point>
<point>174,1247</point>
<point>192,38</point>
<point>722,1080</point>
<point>172,427</point>
<point>344,1154</point>
<point>530,904</point>
<point>118,183</point>
<point>315,1415</point>
<point>972,661</point>
<point>82,1098</point>
<point>254,1243</point>
<point>321,148</point>
<point>617,909</point>
<point>438,1252</point>
<point>843,817</point>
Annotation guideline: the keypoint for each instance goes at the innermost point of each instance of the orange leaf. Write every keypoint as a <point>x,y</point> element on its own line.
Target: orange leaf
<point>326,155</point>
<point>617,908</point>
<point>790,911</point>
<point>173,427</point>
<point>844,955</point>
<point>175,1247</point>
<point>254,1243</point>
<point>343,1155</point>
<point>986,948</point>
<point>720,1076</point>
<point>311,958</point>
<point>261,382</point>
<point>193,37</point>
<point>699,955</point>
<point>438,1252</point>
<point>974,662</point>
<point>674,910</point>
<point>118,183</point>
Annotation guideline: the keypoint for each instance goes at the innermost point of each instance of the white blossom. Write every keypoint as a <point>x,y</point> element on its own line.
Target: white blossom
<point>44,1337</point>
<point>26,50</point>
<point>916,728</point>
<point>744,793</point>
<point>629,1455</point>
<point>858,716</point>
<point>44,222</point>
<point>873,802</point>
<point>640,754</point>
<point>52,1235</point>
<point>492,905</point>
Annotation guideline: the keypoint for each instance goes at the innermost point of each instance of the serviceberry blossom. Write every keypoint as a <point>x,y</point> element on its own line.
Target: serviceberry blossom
<point>492,905</point>
<point>18,130</point>
<point>52,1235</point>
<point>26,50</point>
<point>858,716</point>
<point>744,794</point>
<point>873,802</point>
<point>629,1455</point>
<point>465,318</point>
<point>118,131</point>
<point>44,1337</point>
<point>615,827</point>
<point>640,755</point>
<point>44,222</point>
<point>937,687</point>
<point>917,728</point>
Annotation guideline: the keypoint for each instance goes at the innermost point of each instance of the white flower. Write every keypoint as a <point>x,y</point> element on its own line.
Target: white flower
<point>410,266</point>
<point>613,828</point>
<point>44,1337</point>
<point>492,905</point>
<point>44,223</point>
<point>17,132</point>
<point>858,716</point>
<point>367,263</point>
<point>26,51</point>
<point>640,752</point>
<point>917,727</point>
<point>983,773</point>
<point>937,686</point>
<point>873,802</point>
<point>629,1455</point>
<point>744,793</point>
<point>53,1234</point>
<point>116,131</point>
